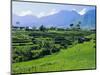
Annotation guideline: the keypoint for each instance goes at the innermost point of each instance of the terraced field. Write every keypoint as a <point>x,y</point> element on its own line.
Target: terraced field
<point>78,56</point>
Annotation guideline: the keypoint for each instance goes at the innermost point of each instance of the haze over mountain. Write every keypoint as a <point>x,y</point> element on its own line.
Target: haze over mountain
<point>60,19</point>
<point>89,19</point>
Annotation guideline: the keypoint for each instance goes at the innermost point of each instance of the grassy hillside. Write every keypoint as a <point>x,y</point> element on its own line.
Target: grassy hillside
<point>79,56</point>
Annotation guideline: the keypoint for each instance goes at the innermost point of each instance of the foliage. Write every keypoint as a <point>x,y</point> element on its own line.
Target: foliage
<point>42,28</point>
<point>80,56</point>
<point>30,45</point>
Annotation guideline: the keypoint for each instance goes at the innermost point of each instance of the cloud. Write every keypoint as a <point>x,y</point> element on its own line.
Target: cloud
<point>74,9</point>
<point>24,13</point>
<point>83,11</point>
<point>42,14</point>
<point>39,15</point>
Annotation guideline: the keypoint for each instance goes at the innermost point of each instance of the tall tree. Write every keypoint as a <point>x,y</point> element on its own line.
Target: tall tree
<point>42,28</point>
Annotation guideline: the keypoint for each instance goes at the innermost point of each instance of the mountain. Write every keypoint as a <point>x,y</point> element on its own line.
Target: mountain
<point>60,19</point>
<point>28,20</point>
<point>89,19</point>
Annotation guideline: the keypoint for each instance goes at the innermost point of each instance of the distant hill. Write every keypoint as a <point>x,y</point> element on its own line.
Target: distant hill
<point>60,19</point>
<point>89,19</point>
<point>27,20</point>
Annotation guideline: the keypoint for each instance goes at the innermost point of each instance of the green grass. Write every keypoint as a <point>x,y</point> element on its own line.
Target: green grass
<point>80,56</point>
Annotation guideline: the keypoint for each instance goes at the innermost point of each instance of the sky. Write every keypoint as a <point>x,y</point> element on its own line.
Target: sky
<point>43,9</point>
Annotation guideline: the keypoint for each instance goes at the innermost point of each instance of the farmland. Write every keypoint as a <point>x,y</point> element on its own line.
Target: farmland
<point>52,37</point>
<point>46,50</point>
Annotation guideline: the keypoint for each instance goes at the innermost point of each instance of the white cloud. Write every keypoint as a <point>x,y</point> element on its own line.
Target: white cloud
<point>83,11</point>
<point>39,15</point>
<point>24,13</point>
<point>42,14</point>
<point>74,9</point>
<point>53,11</point>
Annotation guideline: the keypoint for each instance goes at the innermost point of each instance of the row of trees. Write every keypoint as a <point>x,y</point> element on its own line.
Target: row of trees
<point>72,27</point>
<point>36,47</point>
<point>39,49</point>
<point>43,28</point>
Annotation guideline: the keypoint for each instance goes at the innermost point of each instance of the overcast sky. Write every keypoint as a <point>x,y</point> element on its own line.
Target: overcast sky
<point>42,9</point>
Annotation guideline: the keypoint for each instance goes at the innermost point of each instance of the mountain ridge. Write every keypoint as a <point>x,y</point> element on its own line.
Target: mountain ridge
<point>61,19</point>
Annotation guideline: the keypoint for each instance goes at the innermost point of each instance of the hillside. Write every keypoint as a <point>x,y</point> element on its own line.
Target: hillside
<point>79,56</point>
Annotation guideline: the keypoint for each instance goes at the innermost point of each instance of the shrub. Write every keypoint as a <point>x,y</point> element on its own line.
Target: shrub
<point>36,54</point>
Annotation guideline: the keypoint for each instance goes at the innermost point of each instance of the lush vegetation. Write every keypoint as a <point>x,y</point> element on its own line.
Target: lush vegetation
<point>52,49</point>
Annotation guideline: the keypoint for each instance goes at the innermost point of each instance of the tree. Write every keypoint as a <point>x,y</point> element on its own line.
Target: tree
<point>34,28</point>
<point>42,28</point>
<point>78,25</point>
<point>71,26</point>
<point>52,28</point>
<point>27,28</point>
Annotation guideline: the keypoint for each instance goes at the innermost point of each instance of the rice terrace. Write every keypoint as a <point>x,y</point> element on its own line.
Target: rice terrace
<point>50,37</point>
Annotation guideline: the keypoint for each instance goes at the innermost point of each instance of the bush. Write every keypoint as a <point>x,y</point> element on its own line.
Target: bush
<point>36,54</point>
<point>21,53</point>
<point>64,42</point>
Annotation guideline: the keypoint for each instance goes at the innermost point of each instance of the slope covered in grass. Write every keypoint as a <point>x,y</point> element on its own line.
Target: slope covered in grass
<point>79,56</point>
